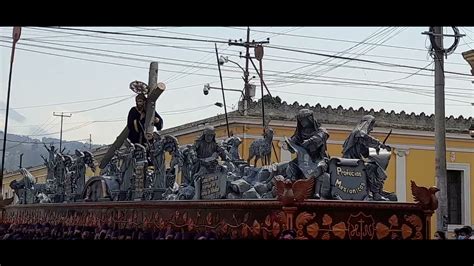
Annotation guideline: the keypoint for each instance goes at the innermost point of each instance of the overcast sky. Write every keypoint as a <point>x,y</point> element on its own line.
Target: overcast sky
<point>88,74</point>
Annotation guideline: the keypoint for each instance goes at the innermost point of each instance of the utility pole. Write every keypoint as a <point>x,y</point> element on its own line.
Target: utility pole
<point>247,44</point>
<point>62,115</point>
<point>437,51</point>
<point>440,132</point>
<point>90,142</point>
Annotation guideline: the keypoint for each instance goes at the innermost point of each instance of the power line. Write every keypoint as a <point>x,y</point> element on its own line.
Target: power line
<point>65,35</point>
<point>38,129</point>
<point>173,71</point>
<point>107,50</point>
<point>280,47</point>
<point>310,77</point>
<point>382,40</point>
<point>358,99</point>
<point>468,29</point>
<point>293,50</point>
<point>66,130</point>
<point>85,123</point>
<point>360,60</point>
<point>101,106</point>
<point>351,81</point>
<point>181,33</point>
<point>385,33</point>
<point>79,122</point>
<point>302,61</point>
<point>389,87</point>
<point>104,50</point>
<point>468,37</point>
<point>187,73</point>
<point>77,58</point>
<point>135,43</point>
<point>140,67</point>
<point>144,35</point>
<point>72,102</point>
<point>107,62</point>
<point>132,41</point>
<point>112,56</point>
<point>327,60</point>
<point>40,142</point>
<point>180,76</point>
<point>337,40</point>
<point>412,74</point>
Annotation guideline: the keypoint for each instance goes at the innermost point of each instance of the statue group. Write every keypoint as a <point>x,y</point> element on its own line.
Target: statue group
<point>65,178</point>
<point>215,170</point>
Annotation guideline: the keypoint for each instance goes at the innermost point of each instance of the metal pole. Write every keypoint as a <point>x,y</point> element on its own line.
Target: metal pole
<point>222,88</point>
<point>61,134</point>
<point>246,73</point>
<point>6,113</point>
<point>261,87</point>
<point>440,134</point>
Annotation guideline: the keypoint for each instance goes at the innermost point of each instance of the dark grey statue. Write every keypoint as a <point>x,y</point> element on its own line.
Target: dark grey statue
<point>231,145</point>
<point>189,159</point>
<point>309,142</point>
<point>78,170</point>
<point>162,145</point>
<point>50,162</point>
<point>127,171</point>
<point>207,151</point>
<point>208,178</point>
<point>262,148</point>
<point>28,191</point>
<point>357,146</point>
<point>112,168</point>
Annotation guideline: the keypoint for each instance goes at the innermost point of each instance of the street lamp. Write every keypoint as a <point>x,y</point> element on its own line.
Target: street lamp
<point>225,59</point>
<point>248,88</point>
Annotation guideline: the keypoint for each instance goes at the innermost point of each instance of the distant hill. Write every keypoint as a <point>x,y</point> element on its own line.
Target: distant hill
<point>32,150</point>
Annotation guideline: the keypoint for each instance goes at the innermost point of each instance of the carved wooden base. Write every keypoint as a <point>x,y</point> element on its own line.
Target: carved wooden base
<point>242,219</point>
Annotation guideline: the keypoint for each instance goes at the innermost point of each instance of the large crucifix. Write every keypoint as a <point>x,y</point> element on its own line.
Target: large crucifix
<point>154,90</point>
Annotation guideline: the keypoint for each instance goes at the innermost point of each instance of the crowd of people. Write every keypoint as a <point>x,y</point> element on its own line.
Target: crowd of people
<point>463,233</point>
<point>48,231</point>
<point>60,232</point>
